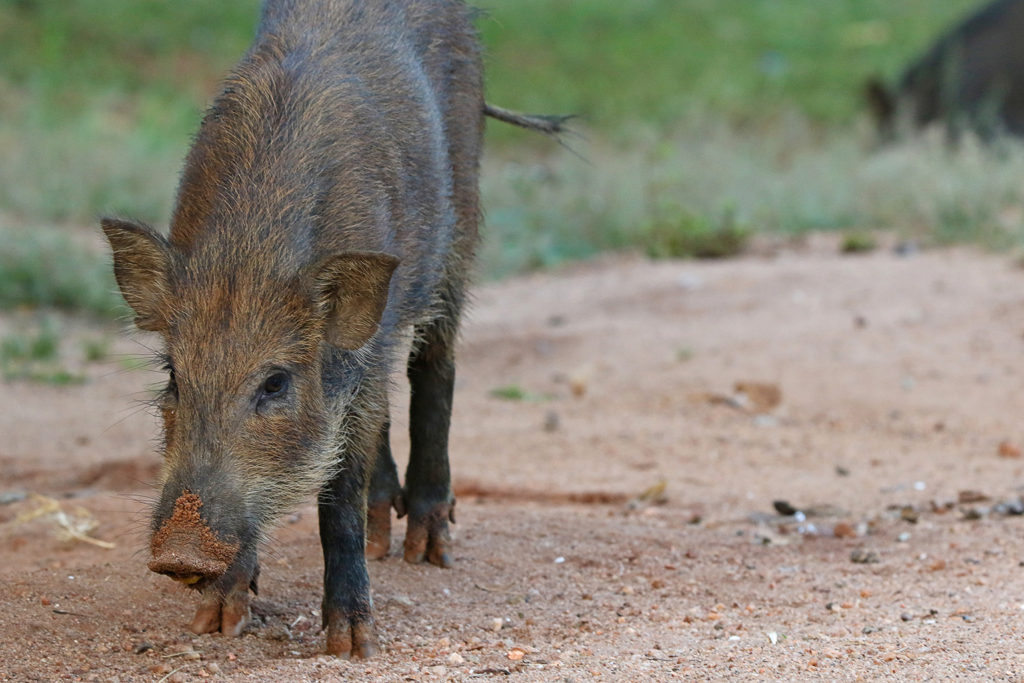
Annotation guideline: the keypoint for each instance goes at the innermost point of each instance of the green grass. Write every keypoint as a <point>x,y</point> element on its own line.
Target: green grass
<point>659,61</point>
<point>34,355</point>
<point>49,268</point>
<point>541,212</point>
<point>96,349</point>
<point>100,97</point>
<point>514,392</point>
<point>858,242</point>
<point>703,121</point>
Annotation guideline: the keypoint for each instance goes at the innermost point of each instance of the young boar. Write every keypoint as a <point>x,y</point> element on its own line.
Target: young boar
<point>972,76</point>
<point>328,206</point>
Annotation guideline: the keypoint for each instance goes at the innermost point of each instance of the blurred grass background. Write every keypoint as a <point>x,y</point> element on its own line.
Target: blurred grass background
<point>700,118</point>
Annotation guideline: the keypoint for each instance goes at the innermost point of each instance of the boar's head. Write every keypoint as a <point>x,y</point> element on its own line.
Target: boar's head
<point>262,355</point>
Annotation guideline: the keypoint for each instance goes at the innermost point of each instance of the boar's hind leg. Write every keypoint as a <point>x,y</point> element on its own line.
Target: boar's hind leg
<point>428,495</point>
<point>347,608</point>
<point>385,492</point>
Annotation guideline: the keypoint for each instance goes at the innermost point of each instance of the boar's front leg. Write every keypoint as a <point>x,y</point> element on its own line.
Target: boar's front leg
<point>347,607</point>
<point>224,607</point>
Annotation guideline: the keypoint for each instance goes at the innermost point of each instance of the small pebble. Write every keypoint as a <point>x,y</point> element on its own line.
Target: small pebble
<point>908,513</point>
<point>13,496</point>
<point>1008,449</point>
<point>213,667</point>
<point>1010,507</point>
<point>971,496</point>
<point>690,281</point>
<point>973,513</point>
<point>556,320</point>
<point>864,556</point>
<point>454,659</point>
<point>496,624</point>
<point>844,530</point>
<point>903,537</point>
<point>783,507</point>
<point>905,248</point>
<point>906,616</point>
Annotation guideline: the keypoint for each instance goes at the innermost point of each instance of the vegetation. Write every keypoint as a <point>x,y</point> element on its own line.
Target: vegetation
<point>858,242</point>
<point>47,267</point>
<point>34,355</point>
<point>702,121</point>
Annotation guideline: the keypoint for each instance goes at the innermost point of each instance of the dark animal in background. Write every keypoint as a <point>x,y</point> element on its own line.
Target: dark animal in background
<point>328,208</point>
<point>972,77</point>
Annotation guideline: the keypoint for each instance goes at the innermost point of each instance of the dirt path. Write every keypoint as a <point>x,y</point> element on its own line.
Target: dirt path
<point>900,381</point>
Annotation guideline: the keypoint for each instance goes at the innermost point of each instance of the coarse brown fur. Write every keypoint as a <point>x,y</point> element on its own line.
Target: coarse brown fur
<point>328,205</point>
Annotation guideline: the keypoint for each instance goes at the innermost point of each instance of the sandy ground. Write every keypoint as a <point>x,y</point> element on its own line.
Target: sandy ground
<point>882,403</point>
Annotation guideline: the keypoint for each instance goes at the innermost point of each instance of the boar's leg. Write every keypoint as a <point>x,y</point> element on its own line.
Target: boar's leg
<point>428,496</point>
<point>347,608</point>
<point>385,492</point>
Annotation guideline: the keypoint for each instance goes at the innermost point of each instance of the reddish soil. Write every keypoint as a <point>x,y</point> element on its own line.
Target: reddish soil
<point>616,522</point>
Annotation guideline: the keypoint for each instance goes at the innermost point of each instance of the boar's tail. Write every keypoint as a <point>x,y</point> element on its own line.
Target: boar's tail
<point>544,123</point>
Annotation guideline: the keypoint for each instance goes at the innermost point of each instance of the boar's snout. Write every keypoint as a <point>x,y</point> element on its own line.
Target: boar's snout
<point>189,566</point>
<point>186,549</point>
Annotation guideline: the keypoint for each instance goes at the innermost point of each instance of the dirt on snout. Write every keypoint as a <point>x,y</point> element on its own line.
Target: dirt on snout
<point>795,466</point>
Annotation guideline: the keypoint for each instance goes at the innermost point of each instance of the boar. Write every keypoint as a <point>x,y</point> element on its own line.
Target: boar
<point>327,209</point>
<point>972,77</point>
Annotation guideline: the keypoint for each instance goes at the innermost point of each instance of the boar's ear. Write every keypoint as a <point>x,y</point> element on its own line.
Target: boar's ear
<point>142,261</point>
<point>351,291</point>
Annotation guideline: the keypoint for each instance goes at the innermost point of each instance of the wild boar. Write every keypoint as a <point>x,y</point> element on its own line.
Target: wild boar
<point>972,77</point>
<point>327,209</point>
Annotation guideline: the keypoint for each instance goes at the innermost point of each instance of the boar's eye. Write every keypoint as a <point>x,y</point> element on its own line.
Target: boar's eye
<point>172,383</point>
<point>274,386</point>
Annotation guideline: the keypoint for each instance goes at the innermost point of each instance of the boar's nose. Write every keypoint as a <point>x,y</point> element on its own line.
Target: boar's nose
<point>186,549</point>
<point>188,567</point>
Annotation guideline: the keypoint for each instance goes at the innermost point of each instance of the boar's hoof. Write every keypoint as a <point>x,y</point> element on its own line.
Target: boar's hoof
<point>352,638</point>
<point>427,536</point>
<point>229,614</point>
